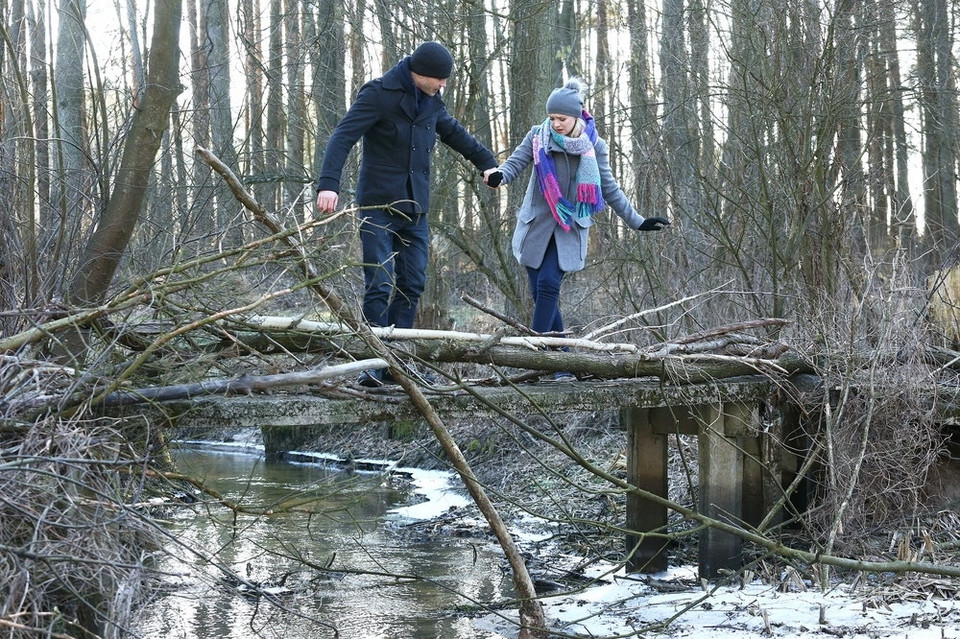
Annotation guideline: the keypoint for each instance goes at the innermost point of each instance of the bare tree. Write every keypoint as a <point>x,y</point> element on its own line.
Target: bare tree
<point>890,120</point>
<point>275,109</point>
<point>217,42</point>
<point>680,141</point>
<point>200,192</point>
<point>328,88</point>
<point>116,224</point>
<point>568,43</point>
<point>938,110</point>
<point>18,249</point>
<point>254,164</point>
<point>392,49</point>
<point>74,181</point>
<point>643,110</point>
<point>294,173</point>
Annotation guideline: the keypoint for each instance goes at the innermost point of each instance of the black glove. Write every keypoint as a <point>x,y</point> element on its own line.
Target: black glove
<point>653,224</point>
<point>494,179</point>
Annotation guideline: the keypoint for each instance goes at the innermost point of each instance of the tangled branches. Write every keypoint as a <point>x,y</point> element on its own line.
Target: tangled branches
<point>74,547</point>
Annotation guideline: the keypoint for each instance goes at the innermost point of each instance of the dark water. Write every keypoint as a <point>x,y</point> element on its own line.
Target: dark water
<point>349,568</point>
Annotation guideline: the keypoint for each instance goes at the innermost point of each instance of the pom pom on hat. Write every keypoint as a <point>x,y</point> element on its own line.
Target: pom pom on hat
<point>567,100</point>
<point>432,59</point>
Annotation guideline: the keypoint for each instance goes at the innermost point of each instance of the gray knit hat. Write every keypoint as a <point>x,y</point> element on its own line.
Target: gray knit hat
<point>432,60</point>
<point>567,100</point>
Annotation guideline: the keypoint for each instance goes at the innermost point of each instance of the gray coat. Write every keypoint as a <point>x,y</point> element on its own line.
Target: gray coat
<point>535,222</point>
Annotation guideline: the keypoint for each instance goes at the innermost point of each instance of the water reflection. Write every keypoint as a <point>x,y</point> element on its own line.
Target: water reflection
<point>341,566</point>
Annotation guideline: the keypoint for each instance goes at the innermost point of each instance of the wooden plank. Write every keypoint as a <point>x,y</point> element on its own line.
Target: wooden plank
<point>647,470</point>
<point>721,490</point>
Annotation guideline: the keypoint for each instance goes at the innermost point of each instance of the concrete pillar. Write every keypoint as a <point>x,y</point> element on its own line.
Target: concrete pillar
<point>647,470</point>
<point>721,490</point>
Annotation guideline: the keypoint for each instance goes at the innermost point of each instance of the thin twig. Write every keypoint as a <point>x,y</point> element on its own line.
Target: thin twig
<point>526,330</point>
<point>623,320</point>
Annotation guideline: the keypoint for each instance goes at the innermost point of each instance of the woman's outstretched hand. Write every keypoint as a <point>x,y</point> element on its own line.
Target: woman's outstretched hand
<point>653,224</point>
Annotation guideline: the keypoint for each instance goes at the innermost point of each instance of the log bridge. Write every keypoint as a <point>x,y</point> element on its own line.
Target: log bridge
<point>724,414</point>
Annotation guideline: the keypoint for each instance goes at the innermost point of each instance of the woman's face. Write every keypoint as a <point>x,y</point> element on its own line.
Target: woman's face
<point>562,124</point>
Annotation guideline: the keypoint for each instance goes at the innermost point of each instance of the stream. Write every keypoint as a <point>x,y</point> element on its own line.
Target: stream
<point>366,563</point>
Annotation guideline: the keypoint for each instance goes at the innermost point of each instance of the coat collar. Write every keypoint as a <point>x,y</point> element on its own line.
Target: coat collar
<point>399,79</point>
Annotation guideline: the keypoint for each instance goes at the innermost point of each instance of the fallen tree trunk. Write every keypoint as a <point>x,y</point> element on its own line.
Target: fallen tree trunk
<point>587,358</point>
<point>530,342</point>
<point>239,385</point>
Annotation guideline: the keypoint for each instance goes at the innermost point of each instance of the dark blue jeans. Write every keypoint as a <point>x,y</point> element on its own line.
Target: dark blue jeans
<point>545,287</point>
<point>394,266</point>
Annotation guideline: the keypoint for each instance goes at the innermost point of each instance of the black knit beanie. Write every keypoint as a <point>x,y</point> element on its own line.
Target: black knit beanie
<point>432,60</point>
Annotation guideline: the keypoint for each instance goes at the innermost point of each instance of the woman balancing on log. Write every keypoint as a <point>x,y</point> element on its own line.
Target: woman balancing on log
<point>570,182</point>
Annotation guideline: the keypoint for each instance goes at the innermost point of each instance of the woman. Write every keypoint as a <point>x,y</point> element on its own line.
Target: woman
<point>571,181</point>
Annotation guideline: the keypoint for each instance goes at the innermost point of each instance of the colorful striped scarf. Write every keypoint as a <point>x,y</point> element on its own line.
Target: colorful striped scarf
<point>589,196</point>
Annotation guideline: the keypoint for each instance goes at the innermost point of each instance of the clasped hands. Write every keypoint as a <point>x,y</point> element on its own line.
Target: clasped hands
<point>492,177</point>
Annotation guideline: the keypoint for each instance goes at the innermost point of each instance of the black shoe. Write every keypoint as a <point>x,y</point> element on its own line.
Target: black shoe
<point>371,378</point>
<point>425,379</point>
<point>376,378</point>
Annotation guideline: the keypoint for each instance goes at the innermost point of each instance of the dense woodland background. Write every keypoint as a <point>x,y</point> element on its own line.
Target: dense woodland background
<point>806,153</point>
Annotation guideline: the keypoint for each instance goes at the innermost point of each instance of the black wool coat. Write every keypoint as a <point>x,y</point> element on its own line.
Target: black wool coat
<point>398,141</point>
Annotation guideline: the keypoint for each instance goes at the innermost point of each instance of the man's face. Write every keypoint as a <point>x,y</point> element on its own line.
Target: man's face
<point>429,86</point>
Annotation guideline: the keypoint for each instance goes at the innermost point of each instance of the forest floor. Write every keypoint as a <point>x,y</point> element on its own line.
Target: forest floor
<point>562,520</point>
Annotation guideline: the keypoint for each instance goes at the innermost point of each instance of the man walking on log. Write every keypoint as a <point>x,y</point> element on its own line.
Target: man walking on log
<point>399,116</point>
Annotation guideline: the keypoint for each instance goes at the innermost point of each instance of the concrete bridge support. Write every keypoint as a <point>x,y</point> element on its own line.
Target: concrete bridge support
<point>730,480</point>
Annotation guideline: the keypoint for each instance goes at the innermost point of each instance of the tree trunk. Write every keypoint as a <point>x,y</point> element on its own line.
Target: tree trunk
<point>903,222</point>
<point>109,240</point>
<point>296,109</point>
<point>200,189</point>
<point>567,36</point>
<point>681,145</point>
<point>254,164</point>
<point>221,114</point>
<point>242,385</point>
<point>19,279</point>
<point>37,16</point>
<point>643,112</point>
<point>329,76</point>
<point>275,109</point>
<point>939,132</point>
<point>391,48</point>
<point>74,182</point>
<point>839,231</point>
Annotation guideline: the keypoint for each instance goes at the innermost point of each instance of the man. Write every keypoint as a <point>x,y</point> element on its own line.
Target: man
<point>399,116</point>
